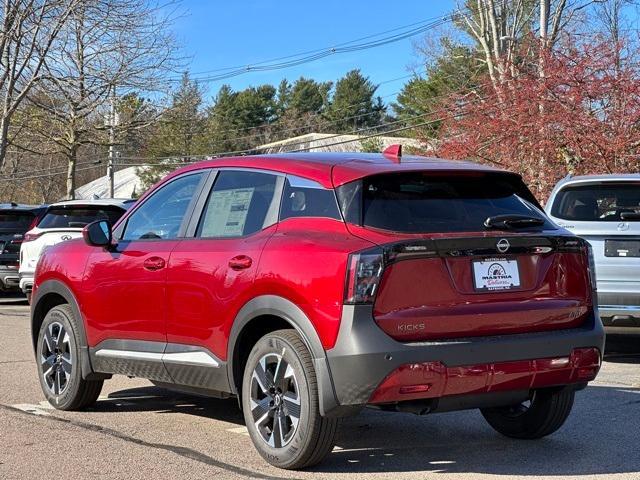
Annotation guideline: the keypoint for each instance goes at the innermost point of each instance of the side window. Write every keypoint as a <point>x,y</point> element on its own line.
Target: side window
<point>240,203</point>
<point>161,215</point>
<point>306,198</point>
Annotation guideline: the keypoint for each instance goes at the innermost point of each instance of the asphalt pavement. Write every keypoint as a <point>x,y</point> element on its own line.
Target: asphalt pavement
<point>139,431</point>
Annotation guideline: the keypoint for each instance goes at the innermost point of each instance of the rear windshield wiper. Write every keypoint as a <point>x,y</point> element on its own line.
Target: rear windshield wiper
<point>508,222</point>
<point>630,215</point>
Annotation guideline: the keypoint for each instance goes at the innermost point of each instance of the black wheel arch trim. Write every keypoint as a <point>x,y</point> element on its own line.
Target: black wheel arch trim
<point>60,288</point>
<point>281,307</point>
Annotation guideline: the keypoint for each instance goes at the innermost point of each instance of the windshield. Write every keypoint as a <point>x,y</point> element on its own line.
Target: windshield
<point>78,217</point>
<point>424,202</point>
<point>602,202</point>
<point>15,220</point>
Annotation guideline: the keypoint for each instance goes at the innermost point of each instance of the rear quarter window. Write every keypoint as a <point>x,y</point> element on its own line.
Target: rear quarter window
<point>306,198</point>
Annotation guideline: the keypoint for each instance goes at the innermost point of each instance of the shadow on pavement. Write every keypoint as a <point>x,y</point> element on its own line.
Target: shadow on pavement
<point>159,400</point>
<point>600,437</point>
<point>12,298</point>
<point>623,348</point>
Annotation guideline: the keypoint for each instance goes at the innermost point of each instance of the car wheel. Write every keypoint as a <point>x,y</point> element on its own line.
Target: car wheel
<point>540,416</point>
<point>58,355</point>
<point>280,403</point>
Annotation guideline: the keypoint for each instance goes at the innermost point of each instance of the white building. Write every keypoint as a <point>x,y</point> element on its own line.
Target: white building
<point>126,184</point>
<point>330,142</point>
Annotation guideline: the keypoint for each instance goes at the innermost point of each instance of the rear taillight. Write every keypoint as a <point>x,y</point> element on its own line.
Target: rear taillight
<point>30,237</point>
<point>591,271</point>
<point>364,270</point>
<point>592,267</point>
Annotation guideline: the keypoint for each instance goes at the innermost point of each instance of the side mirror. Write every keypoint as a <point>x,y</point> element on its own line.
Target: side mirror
<point>97,234</point>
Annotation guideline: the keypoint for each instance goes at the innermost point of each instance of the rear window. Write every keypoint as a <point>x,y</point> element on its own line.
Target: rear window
<point>418,202</point>
<point>78,217</point>
<point>608,202</point>
<point>15,220</point>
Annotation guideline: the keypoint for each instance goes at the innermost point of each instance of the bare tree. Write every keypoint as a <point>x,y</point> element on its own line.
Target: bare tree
<point>29,29</point>
<point>105,45</point>
<point>609,14</point>
<point>497,26</point>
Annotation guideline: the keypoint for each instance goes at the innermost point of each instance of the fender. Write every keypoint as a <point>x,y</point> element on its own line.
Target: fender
<point>292,314</point>
<point>38,303</point>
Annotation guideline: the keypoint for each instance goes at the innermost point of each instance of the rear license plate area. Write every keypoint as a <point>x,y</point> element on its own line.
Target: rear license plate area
<point>495,274</point>
<point>622,248</point>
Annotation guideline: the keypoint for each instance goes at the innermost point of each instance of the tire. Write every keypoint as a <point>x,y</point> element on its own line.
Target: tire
<point>546,413</point>
<point>58,359</point>
<point>279,383</point>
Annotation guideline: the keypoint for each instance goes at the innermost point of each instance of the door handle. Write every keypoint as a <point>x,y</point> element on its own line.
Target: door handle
<point>154,263</point>
<point>240,262</point>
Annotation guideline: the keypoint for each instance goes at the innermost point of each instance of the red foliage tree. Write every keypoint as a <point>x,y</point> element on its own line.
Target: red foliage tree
<point>581,116</point>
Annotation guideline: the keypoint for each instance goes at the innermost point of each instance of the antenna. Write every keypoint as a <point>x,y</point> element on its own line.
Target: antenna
<point>393,152</point>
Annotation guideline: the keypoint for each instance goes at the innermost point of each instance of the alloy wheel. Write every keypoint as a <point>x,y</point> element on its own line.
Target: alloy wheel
<point>56,361</point>
<point>275,400</point>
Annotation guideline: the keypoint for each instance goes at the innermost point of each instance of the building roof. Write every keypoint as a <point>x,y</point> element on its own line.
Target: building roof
<point>118,202</point>
<point>332,142</point>
<point>126,184</point>
<point>334,169</point>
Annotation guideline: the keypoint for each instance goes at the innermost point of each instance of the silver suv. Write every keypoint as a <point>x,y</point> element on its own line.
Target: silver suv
<point>605,210</point>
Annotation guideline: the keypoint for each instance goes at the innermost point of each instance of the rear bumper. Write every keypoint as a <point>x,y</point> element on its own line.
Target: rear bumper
<point>26,283</point>
<point>620,309</point>
<point>364,356</point>
<point>9,278</point>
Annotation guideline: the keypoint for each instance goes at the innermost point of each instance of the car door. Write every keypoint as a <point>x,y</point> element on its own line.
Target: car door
<point>124,287</point>
<point>210,273</point>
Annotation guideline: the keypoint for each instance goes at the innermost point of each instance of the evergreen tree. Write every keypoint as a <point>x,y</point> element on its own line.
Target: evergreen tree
<point>353,105</point>
<point>456,69</point>
<point>179,133</point>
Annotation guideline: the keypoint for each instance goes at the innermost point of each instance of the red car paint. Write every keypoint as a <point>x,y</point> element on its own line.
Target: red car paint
<point>190,290</point>
<point>433,379</point>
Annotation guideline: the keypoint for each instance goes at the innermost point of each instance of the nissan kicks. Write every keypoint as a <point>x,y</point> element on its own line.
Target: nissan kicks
<point>310,286</point>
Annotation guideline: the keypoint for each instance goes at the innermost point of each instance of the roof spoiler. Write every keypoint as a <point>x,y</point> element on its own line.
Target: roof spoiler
<point>393,152</point>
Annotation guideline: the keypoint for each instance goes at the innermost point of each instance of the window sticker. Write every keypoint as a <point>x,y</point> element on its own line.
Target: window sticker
<point>227,212</point>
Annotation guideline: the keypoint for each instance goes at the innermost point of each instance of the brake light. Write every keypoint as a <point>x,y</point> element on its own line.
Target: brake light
<point>364,270</point>
<point>30,237</point>
<point>592,267</point>
<point>591,271</point>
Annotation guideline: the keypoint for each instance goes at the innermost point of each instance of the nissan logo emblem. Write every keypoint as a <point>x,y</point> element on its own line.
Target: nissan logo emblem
<point>503,245</point>
<point>68,237</point>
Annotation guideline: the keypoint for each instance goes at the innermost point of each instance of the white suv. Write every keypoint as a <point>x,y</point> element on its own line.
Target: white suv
<point>605,211</point>
<point>63,221</point>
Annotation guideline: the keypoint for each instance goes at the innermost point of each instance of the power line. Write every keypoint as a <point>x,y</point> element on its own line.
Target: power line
<point>317,116</point>
<point>314,55</point>
<point>192,159</point>
<point>309,52</point>
<point>51,174</point>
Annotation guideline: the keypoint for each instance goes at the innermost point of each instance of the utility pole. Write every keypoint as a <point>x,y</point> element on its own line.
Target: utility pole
<point>112,139</point>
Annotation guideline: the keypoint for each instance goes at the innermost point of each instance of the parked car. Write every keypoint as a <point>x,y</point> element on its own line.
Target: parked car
<point>313,285</point>
<point>60,222</point>
<point>605,211</point>
<point>15,220</point>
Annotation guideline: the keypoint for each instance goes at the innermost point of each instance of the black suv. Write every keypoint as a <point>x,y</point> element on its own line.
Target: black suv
<point>15,220</point>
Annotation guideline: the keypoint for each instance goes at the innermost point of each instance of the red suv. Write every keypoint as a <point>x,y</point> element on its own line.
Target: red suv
<point>313,285</point>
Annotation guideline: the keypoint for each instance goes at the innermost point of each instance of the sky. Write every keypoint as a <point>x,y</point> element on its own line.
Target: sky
<point>216,35</point>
